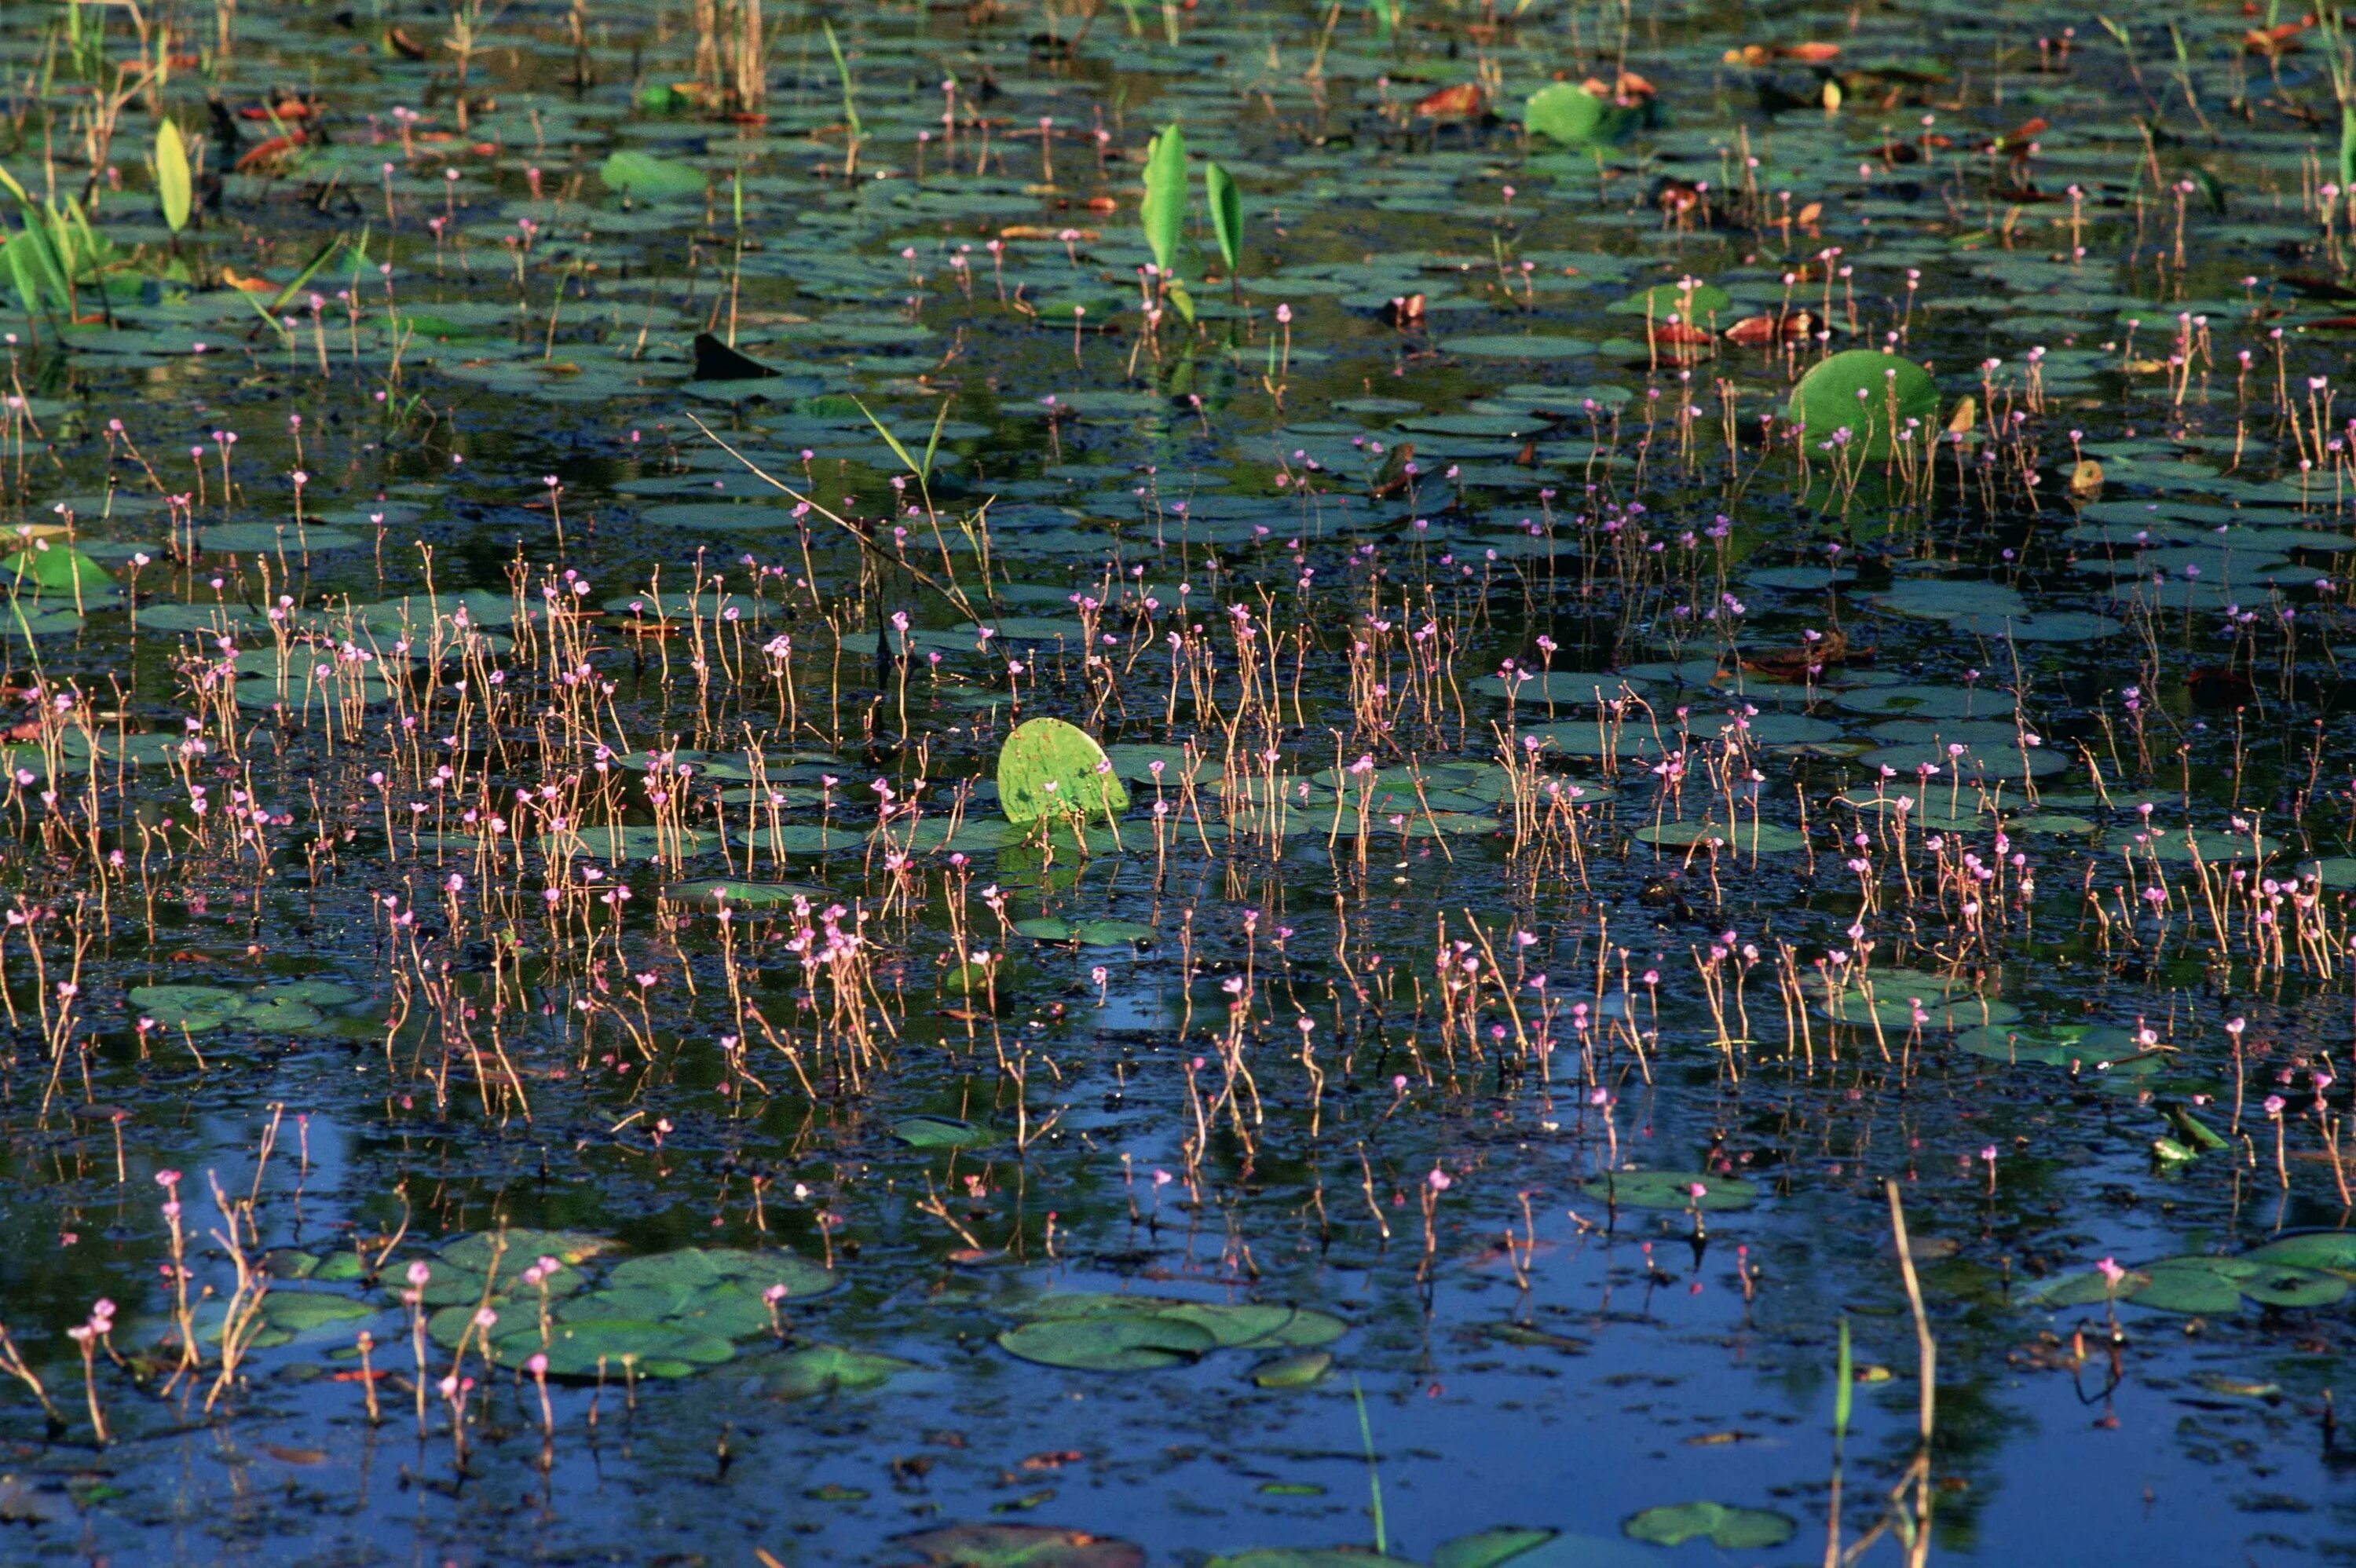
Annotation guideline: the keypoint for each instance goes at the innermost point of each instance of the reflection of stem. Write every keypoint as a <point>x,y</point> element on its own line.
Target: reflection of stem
<point>1374,1475</point>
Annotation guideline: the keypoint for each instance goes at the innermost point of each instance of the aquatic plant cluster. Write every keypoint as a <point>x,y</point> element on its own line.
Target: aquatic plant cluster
<point>1079,784</point>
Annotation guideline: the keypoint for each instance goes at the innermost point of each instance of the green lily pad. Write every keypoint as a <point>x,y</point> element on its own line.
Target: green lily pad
<point>523,1246</point>
<point>1110,1342</point>
<point>1665,300</point>
<point>2333,1250</point>
<point>1896,391</point>
<point>1087,933</point>
<point>308,1311</point>
<point>291,1009</point>
<point>941,1132</point>
<point>727,892</point>
<point>2051,1045</point>
<point>2187,1285</point>
<point>614,845</point>
<point>53,570</point>
<point>1299,1370</point>
<point>814,1370</point>
<point>1727,1528</point>
<point>690,1272</point>
<point>1127,1333</point>
<point>1051,769</point>
<point>1763,837</point>
<point>1490,1548</point>
<point>1567,115</point>
<point>1672,1190</point>
<point>650,178</point>
<point>614,1346</point>
<point>2201,1285</point>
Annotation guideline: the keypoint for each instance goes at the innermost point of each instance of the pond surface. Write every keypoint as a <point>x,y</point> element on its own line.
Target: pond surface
<point>1666,963</point>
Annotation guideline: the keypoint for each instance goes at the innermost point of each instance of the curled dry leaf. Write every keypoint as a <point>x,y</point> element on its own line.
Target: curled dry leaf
<point>1461,101</point>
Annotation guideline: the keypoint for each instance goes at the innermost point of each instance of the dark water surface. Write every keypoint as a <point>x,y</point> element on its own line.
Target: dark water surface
<point>427,667</point>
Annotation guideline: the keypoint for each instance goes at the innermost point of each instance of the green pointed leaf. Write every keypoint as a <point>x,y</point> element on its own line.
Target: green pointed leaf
<point>173,186</point>
<point>302,279</point>
<point>1226,214</point>
<point>1164,211</point>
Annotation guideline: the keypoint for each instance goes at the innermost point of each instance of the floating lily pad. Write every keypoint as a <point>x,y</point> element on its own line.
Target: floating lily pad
<point>726,893</point>
<point>2050,1045</point>
<point>1131,1333</point>
<point>930,1132</point>
<point>1110,1343</point>
<point>2333,1250</point>
<point>1301,1369</point>
<point>2214,844</point>
<point>616,845</point>
<point>1672,1190</point>
<point>277,537</point>
<point>1897,395</point>
<point>814,1370</point>
<point>2197,1284</point>
<point>1727,1528</point>
<point>650,179</point>
<point>1490,1548</point>
<point>1019,1546</point>
<point>1745,838</point>
<point>289,1009</point>
<point>1051,769</point>
<point>53,569</point>
<point>1087,933</point>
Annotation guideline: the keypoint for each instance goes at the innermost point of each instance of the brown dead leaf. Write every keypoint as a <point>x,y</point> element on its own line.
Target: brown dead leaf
<point>1754,330</point>
<point>1461,101</point>
<point>1829,652</point>
<point>286,1456</point>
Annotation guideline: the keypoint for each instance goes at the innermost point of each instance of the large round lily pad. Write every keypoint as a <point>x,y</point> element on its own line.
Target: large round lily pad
<point>1868,393</point>
<point>1051,769</point>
